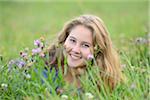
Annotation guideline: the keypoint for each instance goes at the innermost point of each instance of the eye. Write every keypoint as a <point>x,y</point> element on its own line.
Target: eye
<point>72,40</point>
<point>85,45</point>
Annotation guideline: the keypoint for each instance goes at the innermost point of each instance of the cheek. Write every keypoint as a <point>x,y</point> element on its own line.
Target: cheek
<point>67,44</point>
<point>85,53</point>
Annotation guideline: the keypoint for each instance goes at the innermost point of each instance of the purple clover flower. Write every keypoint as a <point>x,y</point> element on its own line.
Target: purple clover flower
<point>21,64</point>
<point>35,51</point>
<point>38,43</point>
<point>42,55</point>
<point>90,57</point>
<point>16,62</point>
<point>23,54</point>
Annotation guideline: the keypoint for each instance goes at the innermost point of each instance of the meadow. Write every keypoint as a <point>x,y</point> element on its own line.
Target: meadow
<point>23,22</point>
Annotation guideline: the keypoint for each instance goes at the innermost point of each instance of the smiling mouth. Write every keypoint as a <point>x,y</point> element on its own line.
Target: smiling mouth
<point>75,57</point>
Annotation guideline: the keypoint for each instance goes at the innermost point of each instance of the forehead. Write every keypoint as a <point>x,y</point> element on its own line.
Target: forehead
<point>81,33</point>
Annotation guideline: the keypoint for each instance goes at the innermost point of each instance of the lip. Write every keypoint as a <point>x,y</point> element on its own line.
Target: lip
<point>75,57</point>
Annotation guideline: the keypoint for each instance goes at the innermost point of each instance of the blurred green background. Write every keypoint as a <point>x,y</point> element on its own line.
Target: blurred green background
<point>21,22</point>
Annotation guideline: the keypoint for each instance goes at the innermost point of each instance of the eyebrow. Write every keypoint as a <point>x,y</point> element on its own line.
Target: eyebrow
<point>82,41</point>
<point>72,37</point>
<point>87,43</point>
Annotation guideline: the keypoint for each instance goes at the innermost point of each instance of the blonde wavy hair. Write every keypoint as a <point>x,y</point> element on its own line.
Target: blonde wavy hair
<point>105,55</point>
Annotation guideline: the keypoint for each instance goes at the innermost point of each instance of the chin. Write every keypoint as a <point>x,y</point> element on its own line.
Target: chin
<point>75,64</point>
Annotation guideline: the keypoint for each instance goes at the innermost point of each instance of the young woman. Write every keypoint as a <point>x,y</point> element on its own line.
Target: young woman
<point>83,37</point>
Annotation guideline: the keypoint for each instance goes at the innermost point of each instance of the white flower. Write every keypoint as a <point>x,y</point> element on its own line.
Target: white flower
<point>123,66</point>
<point>26,49</point>
<point>28,76</point>
<point>65,97</point>
<point>89,95</point>
<point>4,85</point>
<point>133,85</point>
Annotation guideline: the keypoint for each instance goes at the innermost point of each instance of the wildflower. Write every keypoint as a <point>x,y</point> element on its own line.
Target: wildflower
<point>42,55</point>
<point>123,66</point>
<point>28,76</point>
<point>90,57</point>
<point>38,43</point>
<point>10,64</point>
<point>30,64</point>
<point>20,64</point>
<point>4,85</point>
<point>26,49</point>
<point>89,95</point>
<point>23,54</point>
<point>59,90</point>
<point>35,51</point>
<point>42,38</point>
<point>65,97</point>
<point>141,40</point>
<point>133,86</point>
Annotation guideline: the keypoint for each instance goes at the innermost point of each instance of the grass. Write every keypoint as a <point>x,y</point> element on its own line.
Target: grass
<point>23,22</point>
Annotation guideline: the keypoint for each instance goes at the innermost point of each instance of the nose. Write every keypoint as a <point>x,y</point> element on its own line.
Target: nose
<point>76,48</point>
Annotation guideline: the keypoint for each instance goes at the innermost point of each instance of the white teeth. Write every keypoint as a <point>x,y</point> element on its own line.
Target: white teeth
<point>75,57</point>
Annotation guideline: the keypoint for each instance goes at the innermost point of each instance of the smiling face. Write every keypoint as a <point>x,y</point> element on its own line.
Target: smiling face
<point>80,45</point>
